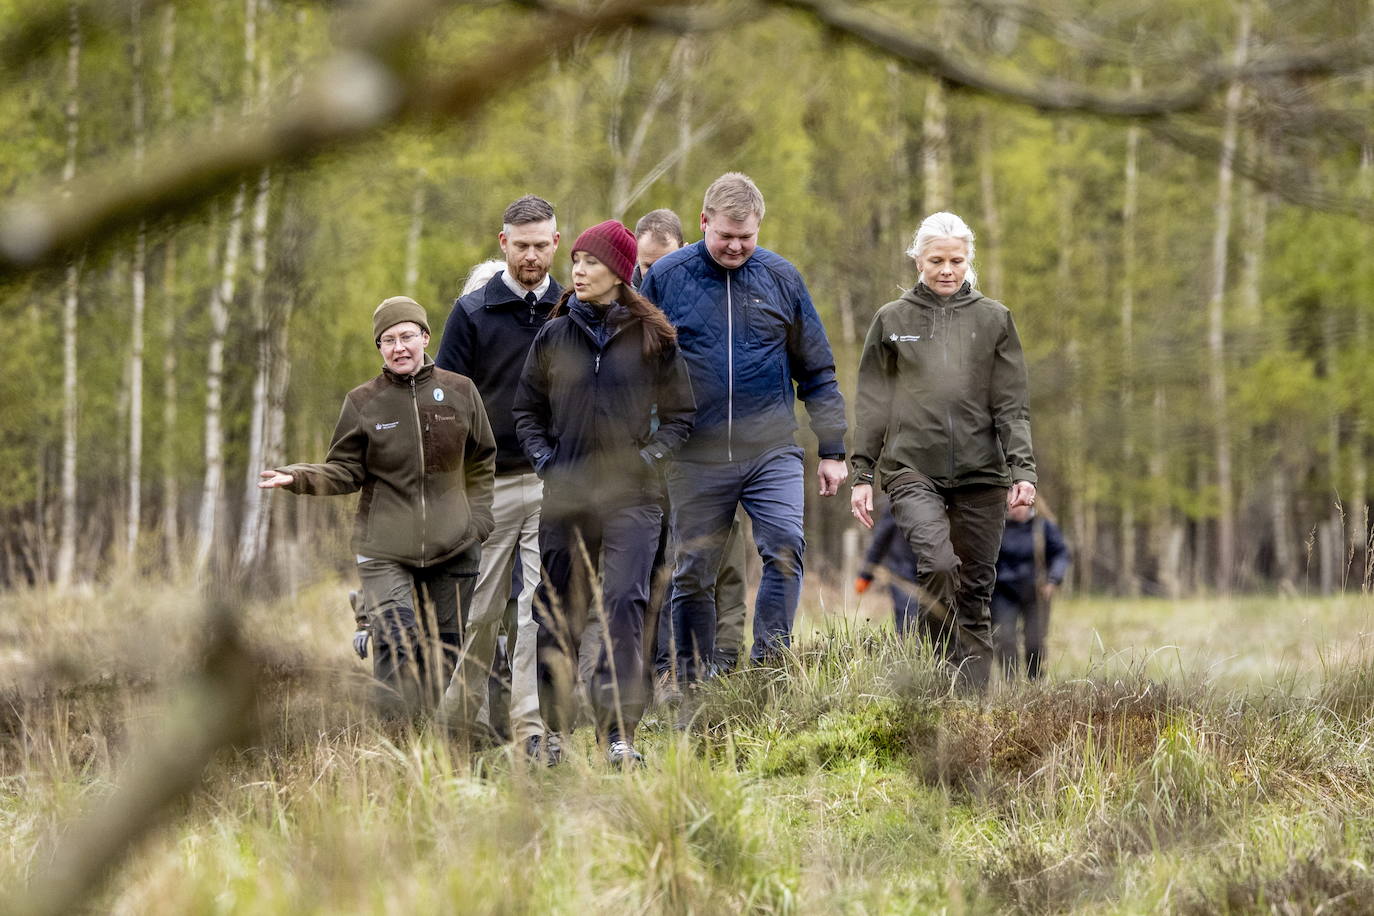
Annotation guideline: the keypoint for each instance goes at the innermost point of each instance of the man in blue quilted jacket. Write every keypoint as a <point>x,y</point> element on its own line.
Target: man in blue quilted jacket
<point>754,344</point>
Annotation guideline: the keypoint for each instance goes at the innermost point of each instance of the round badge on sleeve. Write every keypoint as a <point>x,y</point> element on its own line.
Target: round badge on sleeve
<point>438,394</point>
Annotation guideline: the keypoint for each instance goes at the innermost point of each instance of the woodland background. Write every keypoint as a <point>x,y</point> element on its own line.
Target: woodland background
<point>209,197</point>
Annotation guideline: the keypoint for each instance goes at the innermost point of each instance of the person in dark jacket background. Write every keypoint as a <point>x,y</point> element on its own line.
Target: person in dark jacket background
<point>415,440</point>
<point>754,343</point>
<point>1030,569</point>
<point>890,550</point>
<point>944,424</point>
<point>584,413</point>
<point>487,337</point>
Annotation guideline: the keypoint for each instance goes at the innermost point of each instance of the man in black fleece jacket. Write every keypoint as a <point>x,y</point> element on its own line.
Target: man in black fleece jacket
<point>487,337</point>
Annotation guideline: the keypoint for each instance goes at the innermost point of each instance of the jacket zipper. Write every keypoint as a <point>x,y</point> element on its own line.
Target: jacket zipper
<point>420,439</point>
<point>730,371</point>
<point>949,418</point>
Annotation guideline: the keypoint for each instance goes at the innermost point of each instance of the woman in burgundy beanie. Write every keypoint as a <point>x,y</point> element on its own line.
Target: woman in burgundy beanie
<point>584,409</point>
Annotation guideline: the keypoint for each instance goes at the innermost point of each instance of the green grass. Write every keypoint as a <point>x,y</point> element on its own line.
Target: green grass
<point>1231,772</point>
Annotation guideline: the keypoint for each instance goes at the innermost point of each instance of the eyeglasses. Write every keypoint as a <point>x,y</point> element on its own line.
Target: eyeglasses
<point>405,340</point>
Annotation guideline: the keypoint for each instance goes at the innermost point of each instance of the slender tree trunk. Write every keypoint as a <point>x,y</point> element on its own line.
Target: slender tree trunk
<point>1166,533</point>
<point>221,295</point>
<point>138,283</point>
<point>1281,518</point>
<point>938,179</point>
<point>896,208</point>
<point>1333,543</point>
<point>1127,581</point>
<point>254,517</point>
<point>1216,325</point>
<point>66,550</point>
<point>990,240</point>
<point>1359,434</point>
<point>1079,484</point>
<point>171,491</point>
<point>415,235</point>
<point>250,530</point>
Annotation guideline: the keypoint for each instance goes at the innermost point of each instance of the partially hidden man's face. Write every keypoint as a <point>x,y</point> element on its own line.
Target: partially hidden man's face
<point>730,241</point>
<point>943,265</point>
<point>651,248</point>
<point>529,249</point>
<point>403,347</point>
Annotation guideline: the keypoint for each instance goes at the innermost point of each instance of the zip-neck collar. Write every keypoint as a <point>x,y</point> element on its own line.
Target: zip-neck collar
<point>602,322</point>
<point>923,295</point>
<point>711,259</point>
<point>420,375</point>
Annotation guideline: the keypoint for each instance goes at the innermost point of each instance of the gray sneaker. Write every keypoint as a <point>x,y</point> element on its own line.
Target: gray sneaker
<point>622,754</point>
<point>532,746</point>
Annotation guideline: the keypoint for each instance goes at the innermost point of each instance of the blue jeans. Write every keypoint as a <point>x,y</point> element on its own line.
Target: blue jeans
<point>703,495</point>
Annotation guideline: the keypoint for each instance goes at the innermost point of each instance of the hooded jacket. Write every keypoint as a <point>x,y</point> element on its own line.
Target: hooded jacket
<point>943,392</point>
<point>586,404</point>
<point>420,449</point>
<point>748,334</point>
<point>487,337</point>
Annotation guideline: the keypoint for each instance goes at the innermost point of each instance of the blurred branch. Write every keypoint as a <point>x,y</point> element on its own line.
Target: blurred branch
<point>42,28</point>
<point>356,93</point>
<point>216,710</point>
<point>962,71</point>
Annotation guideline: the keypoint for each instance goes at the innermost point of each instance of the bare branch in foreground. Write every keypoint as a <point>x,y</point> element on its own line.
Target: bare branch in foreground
<point>216,710</point>
<point>1054,95</point>
<point>355,94</point>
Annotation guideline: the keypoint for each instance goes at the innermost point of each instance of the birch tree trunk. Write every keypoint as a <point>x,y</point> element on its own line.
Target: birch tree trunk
<point>1166,534</point>
<point>138,284</point>
<point>171,491</point>
<point>1127,581</point>
<point>937,176</point>
<point>66,550</point>
<point>411,281</point>
<point>1079,484</point>
<point>1216,325</point>
<point>1332,544</point>
<point>1359,459</point>
<point>251,525</point>
<point>990,239</point>
<point>220,296</point>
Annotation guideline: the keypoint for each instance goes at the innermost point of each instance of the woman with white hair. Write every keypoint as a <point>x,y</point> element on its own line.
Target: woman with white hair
<point>944,428</point>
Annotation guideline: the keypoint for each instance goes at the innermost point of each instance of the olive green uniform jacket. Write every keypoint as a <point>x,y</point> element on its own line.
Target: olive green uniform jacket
<point>942,392</point>
<point>422,452</point>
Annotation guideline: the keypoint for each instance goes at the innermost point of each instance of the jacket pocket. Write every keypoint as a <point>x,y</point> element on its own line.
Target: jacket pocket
<point>767,322</point>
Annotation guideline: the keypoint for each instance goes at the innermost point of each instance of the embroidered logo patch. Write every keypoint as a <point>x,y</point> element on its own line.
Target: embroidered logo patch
<point>392,425</point>
<point>438,394</point>
<point>904,338</point>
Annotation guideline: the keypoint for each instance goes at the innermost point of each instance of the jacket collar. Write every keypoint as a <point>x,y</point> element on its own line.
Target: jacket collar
<point>421,375</point>
<point>586,314</point>
<point>498,296</point>
<point>922,295</point>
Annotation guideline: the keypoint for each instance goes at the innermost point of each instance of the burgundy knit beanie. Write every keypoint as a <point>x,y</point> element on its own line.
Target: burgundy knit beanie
<point>611,244</point>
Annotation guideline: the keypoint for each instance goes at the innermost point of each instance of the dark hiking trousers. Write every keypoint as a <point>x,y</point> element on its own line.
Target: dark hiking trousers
<point>731,607</point>
<point>955,533</point>
<point>415,614</point>
<point>574,545</point>
<point>704,494</point>
<point>905,609</point>
<point>1022,605</point>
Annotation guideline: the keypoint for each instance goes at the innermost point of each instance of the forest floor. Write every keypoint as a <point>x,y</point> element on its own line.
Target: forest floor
<point>1198,756</point>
